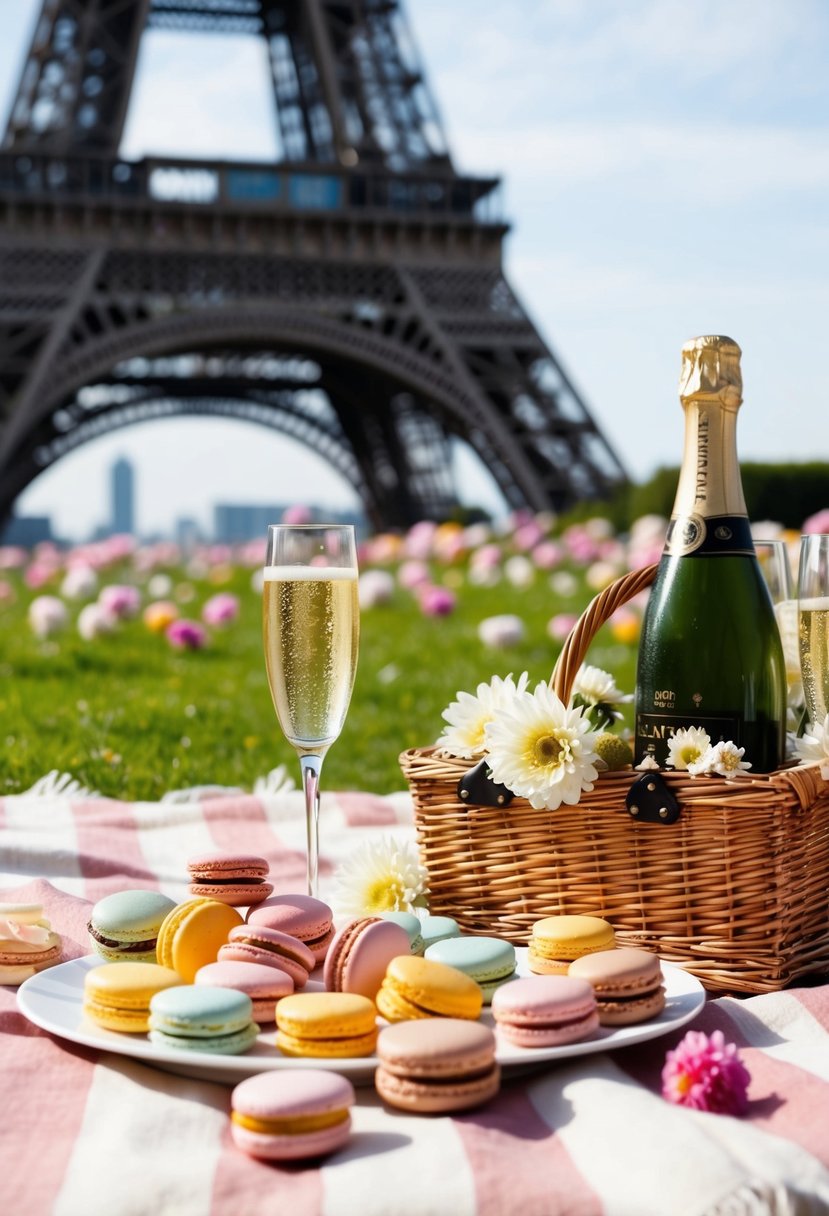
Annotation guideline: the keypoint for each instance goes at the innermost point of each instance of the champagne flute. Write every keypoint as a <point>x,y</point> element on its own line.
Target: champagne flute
<point>813,624</point>
<point>311,628</point>
<point>773,559</point>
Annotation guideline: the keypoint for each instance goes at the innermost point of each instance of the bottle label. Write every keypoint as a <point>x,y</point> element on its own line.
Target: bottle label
<point>653,731</point>
<point>693,535</point>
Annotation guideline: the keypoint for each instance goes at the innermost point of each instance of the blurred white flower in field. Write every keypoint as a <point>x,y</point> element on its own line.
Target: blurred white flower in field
<point>813,747</point>
<point>468,716</point>
<point>724,758</point>
<point>519,570</point>
<point>500,632</point>
<point>94,621</point>
<point>599,528</point>
<point>600,575</point>
<point>483,576</point>
<point>79,583</point>
<point>381,876</point>
<point>766,529</point>
<point>564,583</point>
<point>160,586</point>
<point>476,535</point>
<point>47,615</point>
<point>257,581</point>
<point>413,573</point>
<point>541,750</point>
<point>686,747</point>
<point>375,587</point>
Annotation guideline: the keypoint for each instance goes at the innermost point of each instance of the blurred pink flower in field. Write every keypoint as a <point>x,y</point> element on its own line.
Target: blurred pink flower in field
<point>94,621</point>
<point>79,583</point>
<point>220,610</point>
<point>47,615</point>
<point>38,574</point>
<point>413,574</point>
<point>7,594</point>
<point>547,555</point>
<point>375,587</point>
<point>599,528</point>
<point>528,536</point>
<point>12,557</point>
<point>560,625</point>
<point>449,544</point>
<point>253,553</point>
<point>120,600</point>
<point>706,1073</point>
<point>580,544</point>
<point>486,558</point>
<point>380,549</point>
<point>500,632</point>
<point>160,615</point>
<point>647,540</point>
<point>818,522</point>
<point>613,551</point>
<point>418,540</point>
<point>476,535</point>
<point>186,635</point>
<point>437,601</point>
<point>297,514</point>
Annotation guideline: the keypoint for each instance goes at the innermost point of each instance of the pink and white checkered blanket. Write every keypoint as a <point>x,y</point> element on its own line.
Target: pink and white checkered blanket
<point>85,1133</point>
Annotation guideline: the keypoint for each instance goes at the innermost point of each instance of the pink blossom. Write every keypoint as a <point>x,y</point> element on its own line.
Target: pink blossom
<point>186,635</point>
<point>486,558</point>
<point>7,595</point>
<point>12,557</point>
<point>120,600</point>
<point>528,536</point>
<point>818,522</point>
<point>220,610</point>
<point>80,582</point>
<point>413,574</point>
<point>297,514</point>
<point>546,555</point>
<point>38,574</point>
<point>706,1073</point>
<point>419,538</point>
<point>560,625</point>
<point>437,601</point>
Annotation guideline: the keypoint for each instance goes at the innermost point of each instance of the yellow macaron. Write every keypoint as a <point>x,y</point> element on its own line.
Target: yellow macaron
<point>190,935</point>
<point>328,1024</point>
<point>416,987</point>
<point>558,940</point>
<point>117,995</point>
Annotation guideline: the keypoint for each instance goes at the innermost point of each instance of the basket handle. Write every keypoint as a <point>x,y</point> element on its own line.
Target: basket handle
<point>599,610</point>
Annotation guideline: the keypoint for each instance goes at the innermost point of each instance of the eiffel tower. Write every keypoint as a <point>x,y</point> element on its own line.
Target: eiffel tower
<point>349,293</point>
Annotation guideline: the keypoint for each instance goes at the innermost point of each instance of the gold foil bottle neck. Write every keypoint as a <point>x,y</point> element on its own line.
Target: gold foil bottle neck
<point>711,372</point>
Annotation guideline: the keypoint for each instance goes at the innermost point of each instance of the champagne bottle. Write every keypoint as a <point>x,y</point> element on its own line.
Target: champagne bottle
<point>710,653</point>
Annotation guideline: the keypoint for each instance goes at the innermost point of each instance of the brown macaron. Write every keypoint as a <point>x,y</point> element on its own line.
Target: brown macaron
<point>627,983</point>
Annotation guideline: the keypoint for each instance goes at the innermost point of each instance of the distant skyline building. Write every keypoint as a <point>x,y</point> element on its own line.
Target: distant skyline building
<point>236,523</point>
<point>123,496</point>
<point>27,530</point>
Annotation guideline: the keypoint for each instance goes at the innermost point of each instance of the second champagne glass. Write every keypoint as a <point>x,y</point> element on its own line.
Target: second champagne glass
<point>311,625</point>
<point>813,627</point>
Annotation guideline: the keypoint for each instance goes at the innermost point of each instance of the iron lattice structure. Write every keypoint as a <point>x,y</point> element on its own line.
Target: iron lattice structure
<point>349,293</point>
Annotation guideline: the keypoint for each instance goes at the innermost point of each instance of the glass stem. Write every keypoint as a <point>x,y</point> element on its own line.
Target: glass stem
<point>311,767</point>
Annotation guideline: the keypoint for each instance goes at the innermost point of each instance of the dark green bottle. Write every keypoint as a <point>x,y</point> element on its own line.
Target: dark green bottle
<point>710,652</point>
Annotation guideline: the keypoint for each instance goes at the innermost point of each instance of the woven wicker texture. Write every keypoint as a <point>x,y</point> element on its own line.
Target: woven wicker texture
<point>736,891</point>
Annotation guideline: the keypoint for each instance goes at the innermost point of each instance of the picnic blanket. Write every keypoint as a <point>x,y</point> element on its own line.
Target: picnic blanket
<point>84,1132</point>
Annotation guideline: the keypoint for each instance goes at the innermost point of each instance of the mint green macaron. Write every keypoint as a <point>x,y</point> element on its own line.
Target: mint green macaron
<point>123,927</point>
<point>489,961</point>
<point>437,929</point>
<point>411,923</point>
<point>198,1017</point>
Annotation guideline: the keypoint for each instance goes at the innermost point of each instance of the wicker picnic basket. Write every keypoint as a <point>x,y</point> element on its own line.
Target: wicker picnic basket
<point>735,891</point>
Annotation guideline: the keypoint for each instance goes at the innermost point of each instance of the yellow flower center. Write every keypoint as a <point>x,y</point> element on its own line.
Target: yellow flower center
<point>547,751</point>
<point>683,1083</point>
<point>382,895</point>
<point>690,754</point>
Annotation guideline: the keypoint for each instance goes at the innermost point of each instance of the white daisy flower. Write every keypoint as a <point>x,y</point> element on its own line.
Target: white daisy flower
<point>541,750</point>
<point>468,716</point>
<point>813,747</point>
<point>596,690</point>
<point>724,758</point>
<point>646,764</point>
<point>686,747</point>
<point>382,875</point>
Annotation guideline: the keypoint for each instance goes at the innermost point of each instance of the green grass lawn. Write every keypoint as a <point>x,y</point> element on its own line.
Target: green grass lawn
<point>130,717</point>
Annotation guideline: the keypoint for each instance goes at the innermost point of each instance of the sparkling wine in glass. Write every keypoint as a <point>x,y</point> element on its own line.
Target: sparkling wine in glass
<point>813,624</point>
<point>311,626</point>
<point>773,559</point>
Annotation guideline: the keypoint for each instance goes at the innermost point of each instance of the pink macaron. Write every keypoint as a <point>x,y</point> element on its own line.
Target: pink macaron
<point>237,879</point>
<point>545,1011</point>
<point>360,953</point>
<point>301,916</point>
<point>289,1116</point>
<point>437,1065</point>
<point>269,947</point>
<point>264,985</point>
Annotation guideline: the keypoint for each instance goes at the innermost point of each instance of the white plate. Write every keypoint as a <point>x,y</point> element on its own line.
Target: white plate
<point>53,1000</point>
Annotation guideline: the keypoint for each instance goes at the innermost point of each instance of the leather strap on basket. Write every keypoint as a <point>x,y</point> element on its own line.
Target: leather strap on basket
<point>598,611</point>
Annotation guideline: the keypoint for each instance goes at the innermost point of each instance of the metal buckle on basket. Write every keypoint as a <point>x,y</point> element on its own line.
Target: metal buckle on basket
<point>477,786</point>
<point>649,799</point>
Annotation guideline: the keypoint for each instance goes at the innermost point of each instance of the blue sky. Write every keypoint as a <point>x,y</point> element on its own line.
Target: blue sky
<point>666,170</point>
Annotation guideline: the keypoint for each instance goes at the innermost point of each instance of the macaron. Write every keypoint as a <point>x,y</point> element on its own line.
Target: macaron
<point>442,1065</point>
<point>195,1017</point>
<point>423,988</point>
<point>327,1024</point>
<point>264,985</point>
<point>557,940</point>
<point>545,1011</point>
<point>190,935</point>
<point>256,944</point>
<point>118,997</point>
<point>288,1116</point>
<point>627,984</point>
<point>409,922</point>
<point>489,961</point>
<point>237,879</point>
<point>437,929</point>
<point>124,926</point>
<point>360,953</point>
<point>301,916</point>
<point>27,942</point>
